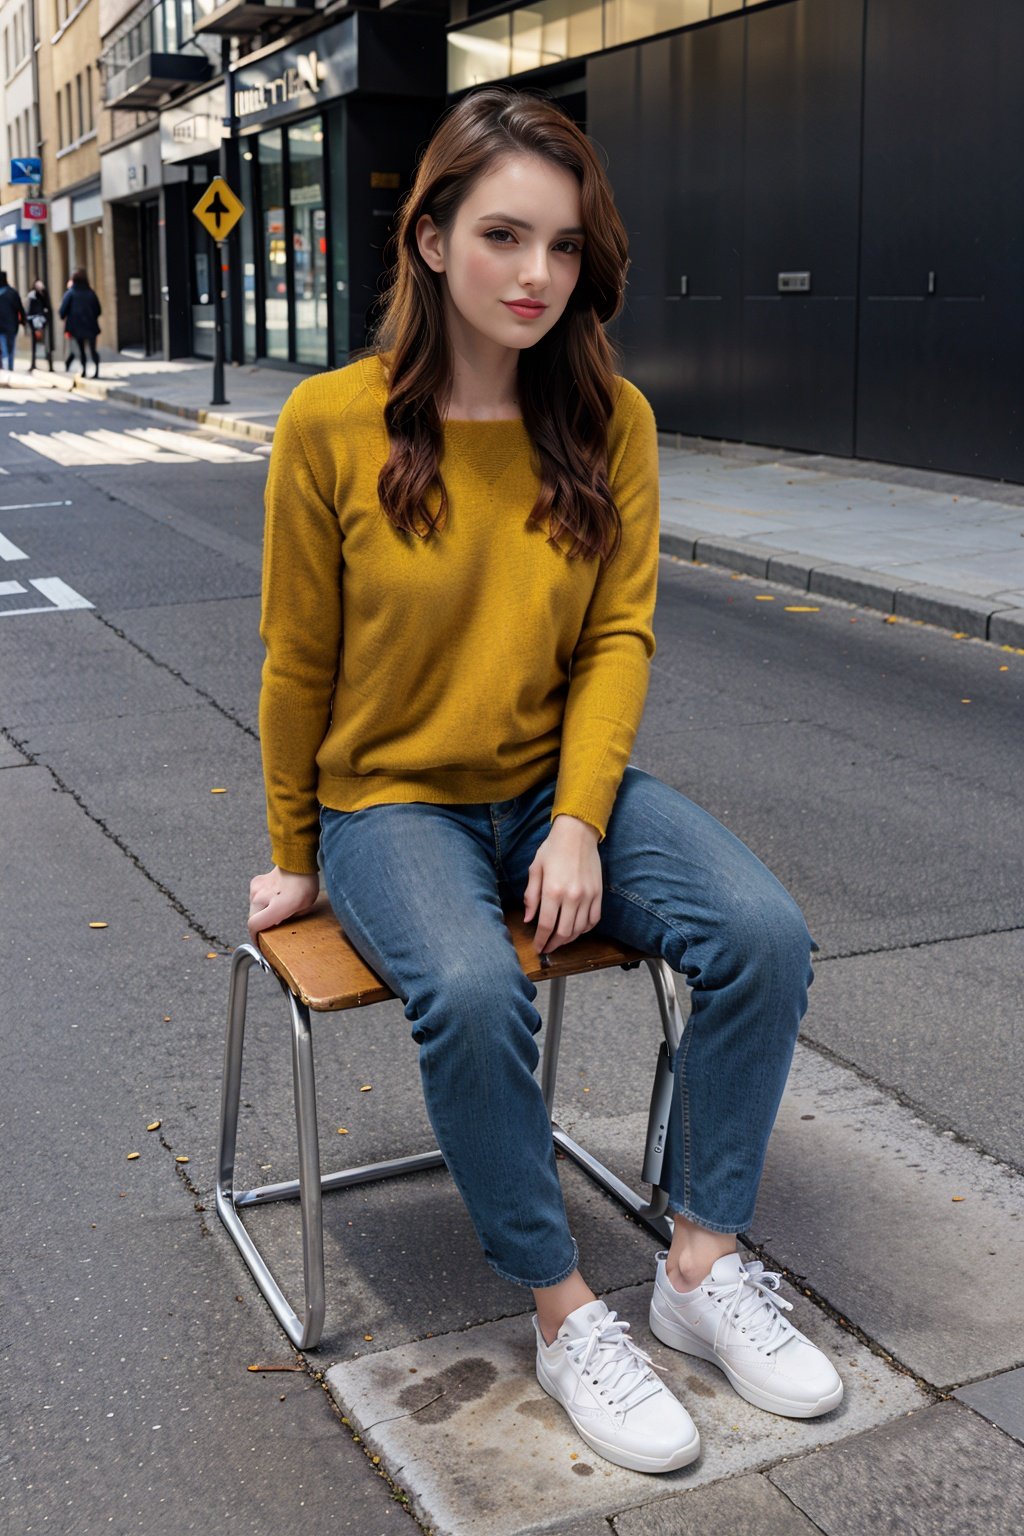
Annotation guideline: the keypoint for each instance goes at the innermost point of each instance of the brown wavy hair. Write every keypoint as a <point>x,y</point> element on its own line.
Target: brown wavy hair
<point>566,381</point>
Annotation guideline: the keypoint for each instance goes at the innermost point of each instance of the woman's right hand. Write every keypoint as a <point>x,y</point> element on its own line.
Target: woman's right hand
<point>279,895</point>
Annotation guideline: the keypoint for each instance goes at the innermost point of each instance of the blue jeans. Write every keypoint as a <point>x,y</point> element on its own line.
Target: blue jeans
<point>418,890</point>
<point>8,341</point>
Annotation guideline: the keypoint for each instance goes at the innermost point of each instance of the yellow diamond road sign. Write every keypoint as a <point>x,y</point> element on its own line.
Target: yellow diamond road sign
<point>218,210</point>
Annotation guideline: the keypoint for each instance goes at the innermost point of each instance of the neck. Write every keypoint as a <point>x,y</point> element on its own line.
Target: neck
<point>484,375</point>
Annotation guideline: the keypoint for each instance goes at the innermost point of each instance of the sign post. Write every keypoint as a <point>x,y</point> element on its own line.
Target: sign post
<point>218,211</point>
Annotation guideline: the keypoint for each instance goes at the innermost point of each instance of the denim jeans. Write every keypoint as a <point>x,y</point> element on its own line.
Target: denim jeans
<point>8,341</point>
<point>419,888</point>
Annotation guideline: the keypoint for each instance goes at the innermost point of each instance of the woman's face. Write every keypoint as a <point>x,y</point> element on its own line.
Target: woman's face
<point>512,256</point>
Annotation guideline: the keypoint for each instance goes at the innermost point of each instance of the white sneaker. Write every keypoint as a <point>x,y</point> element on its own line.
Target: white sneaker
<point>608,1387</point>
<point>734,1319</point>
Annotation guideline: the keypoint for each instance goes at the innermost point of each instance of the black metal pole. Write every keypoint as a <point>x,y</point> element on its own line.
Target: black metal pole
<point>219,397</point>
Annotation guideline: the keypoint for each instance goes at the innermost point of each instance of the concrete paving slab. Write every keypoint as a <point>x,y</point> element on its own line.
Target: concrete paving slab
<point>907,1013</point>
<point>738,1504</point>
<point>464,1429</point>
<point>10,757</point>
<point>934,1472</point>
<point>892,1222</point>
<point>1000,1399</point>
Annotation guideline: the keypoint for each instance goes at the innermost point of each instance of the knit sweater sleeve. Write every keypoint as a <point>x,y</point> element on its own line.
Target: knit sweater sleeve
<point>611,660</point>
<point>301,629</point>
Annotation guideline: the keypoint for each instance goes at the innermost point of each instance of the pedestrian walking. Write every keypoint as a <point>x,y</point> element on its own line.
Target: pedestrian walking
<point>12,316</point>
<point>40,323</point>
<point>460,568</point>
<point>80,309</point>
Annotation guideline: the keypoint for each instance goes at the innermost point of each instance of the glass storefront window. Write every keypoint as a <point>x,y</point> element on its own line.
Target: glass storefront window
<point>274,243</point>
<point>553,30</point>
<point>309,239</point>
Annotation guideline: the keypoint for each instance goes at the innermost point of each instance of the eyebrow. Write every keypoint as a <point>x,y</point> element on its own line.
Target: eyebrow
<point>507,218</point>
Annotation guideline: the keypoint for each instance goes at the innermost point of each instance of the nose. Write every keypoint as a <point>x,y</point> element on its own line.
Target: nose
<point>533,269</point>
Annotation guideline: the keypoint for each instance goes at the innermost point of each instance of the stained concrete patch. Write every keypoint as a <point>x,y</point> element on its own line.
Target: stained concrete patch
<point>940,1471</point>
<point>1000,1399</point>
<point>741,1504</point>
<point>463,1428</point>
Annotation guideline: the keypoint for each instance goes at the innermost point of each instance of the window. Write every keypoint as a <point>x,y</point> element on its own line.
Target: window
<point>89,123</point>
<point>68,116</point>
<point>81,108</point>
<point>61,140</point>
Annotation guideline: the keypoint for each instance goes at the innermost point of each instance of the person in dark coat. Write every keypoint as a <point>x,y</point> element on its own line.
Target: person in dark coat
<point>80,310</point>
<point>12,315</point>
<point>40,322</point>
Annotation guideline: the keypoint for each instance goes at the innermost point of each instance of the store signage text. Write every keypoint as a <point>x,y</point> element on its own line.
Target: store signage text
<point>306,74</point>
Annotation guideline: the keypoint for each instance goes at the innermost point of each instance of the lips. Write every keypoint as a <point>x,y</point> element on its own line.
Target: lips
<point>526,307</point>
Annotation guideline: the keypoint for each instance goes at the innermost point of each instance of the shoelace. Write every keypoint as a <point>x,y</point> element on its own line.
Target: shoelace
<point>621,1371</point>
<point>755,1308</point>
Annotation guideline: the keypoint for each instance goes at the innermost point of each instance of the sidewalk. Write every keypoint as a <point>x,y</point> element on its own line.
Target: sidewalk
<point>918,545</point>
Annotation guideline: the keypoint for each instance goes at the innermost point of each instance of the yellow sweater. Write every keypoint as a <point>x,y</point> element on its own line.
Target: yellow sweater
<point>465,667</point>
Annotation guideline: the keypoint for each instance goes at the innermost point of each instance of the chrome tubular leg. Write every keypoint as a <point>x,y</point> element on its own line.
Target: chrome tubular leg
<point>672,1021</point>
<point>244,958</point>
<point>552,1041</point>
<point>309,1174</point>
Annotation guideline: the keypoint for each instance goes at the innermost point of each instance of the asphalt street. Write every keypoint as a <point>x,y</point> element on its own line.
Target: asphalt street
<point>874,765</point>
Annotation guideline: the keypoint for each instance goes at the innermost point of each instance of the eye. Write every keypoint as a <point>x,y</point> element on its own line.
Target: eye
<point>569,247</point>
<point>499,236</point>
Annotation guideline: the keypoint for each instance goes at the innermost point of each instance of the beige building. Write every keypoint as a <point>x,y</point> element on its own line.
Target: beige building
<point>69,98</point>
<point>19,136</point>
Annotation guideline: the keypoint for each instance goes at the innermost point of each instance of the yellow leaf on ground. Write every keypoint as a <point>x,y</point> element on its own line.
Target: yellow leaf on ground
<point>801,608</point>
<point>181,1159</point>
<point>132,1156</point>
<point>958,1198</point>
<point>764,597</point>
<point>342,1130</point>
<point>366,1088</point>
<point>891,618</point>
<point>154,1125</point>
<point>1004,669</point>
<point>218,791</point>
<point>97,925</point>
<point>368,1337</point>
<point>959,634</point>
<point>211,954</point>
<point>965,701</point>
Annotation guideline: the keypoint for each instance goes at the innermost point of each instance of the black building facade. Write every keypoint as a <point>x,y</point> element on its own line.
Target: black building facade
<point>825,201</point>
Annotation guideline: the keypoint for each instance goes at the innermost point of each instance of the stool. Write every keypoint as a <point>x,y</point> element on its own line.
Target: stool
<point>319,971</point>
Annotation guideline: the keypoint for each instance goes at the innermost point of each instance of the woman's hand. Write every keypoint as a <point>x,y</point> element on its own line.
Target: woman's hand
<point>564,888</point>
<point>279,895</point>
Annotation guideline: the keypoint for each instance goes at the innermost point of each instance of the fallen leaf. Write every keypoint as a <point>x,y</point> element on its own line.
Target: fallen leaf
<point>574,1455</point>
<point>211,954</point>
<point>375,1460</point>
<point>965,701</point>
<point>97,925</point>
<point>167,1018</point>
<point>1004,669</point>
<point>275,1368</point>
<point>368,1337</point>
<point>181,1159</point>
<point>154,1125</point>
<point>342,1130</point>
<point>891,618</point>
<point>801,608</point>
<point>959,634</point>
<point>133,1155</point>
<point>764,597</point>
<point>366,1088</point>
<point>218,791</point>
<point>957,1199</point>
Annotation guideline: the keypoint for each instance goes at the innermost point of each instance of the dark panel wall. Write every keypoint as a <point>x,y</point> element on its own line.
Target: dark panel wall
<point>802,148</point>
<point>942,318</point>
<point>870,143</point>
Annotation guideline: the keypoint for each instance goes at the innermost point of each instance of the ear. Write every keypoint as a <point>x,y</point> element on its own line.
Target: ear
<point>430,243</point>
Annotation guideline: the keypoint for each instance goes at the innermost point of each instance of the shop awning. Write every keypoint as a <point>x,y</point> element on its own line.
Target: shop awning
<point>152,77</point>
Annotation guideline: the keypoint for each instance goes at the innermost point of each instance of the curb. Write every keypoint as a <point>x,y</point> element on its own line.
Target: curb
<point>98,389</point>
<point>886,593</point>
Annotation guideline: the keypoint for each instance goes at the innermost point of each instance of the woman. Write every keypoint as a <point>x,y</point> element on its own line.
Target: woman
<point>80,310</point>
<point>460,568</point>
<point>40,322</point>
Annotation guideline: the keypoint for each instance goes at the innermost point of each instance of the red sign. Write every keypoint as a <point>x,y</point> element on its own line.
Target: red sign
<point>35,212</point>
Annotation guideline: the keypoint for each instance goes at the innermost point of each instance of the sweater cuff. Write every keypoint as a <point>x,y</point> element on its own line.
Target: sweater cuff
<point>295,858</point>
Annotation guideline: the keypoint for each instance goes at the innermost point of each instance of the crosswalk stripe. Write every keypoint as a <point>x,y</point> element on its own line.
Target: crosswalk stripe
<point>9,551</point>
<point>10,588</point>
<point>202,447</point>
<point>70,449</point>
<point>120,443</point>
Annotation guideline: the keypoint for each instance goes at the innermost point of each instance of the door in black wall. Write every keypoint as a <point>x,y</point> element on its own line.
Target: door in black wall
<point>800,221</point>
<point>942,292</point>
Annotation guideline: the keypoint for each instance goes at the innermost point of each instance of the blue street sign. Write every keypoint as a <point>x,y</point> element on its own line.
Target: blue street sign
<point>35,235</point>
<point>26,171</point>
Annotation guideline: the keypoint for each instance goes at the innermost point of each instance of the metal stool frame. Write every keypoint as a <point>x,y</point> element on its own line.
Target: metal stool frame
<point>304,1329</point>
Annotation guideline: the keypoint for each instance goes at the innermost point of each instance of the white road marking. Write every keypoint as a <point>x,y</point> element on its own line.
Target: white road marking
<point>61,597</point>
<point>9,551</point>
<point>9,588</point>
<point>71,449</point>
<point>13,413</point>
<point>120,442</point>
<point>26,506</point>
<point>184,442</point>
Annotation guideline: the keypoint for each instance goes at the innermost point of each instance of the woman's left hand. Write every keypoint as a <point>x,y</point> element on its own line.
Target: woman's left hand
<point>564,888</point>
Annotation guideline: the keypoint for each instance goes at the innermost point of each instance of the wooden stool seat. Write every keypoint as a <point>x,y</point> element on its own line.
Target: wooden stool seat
<point>320,972</point>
